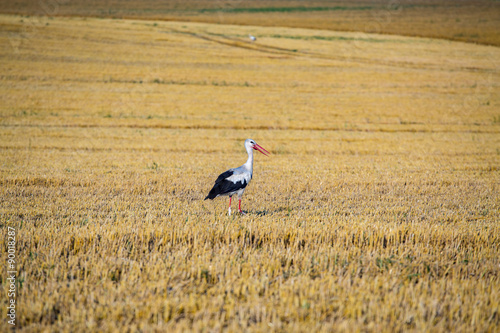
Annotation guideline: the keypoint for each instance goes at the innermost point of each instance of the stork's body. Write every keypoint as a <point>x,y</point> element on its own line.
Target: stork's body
<point>234,181</point>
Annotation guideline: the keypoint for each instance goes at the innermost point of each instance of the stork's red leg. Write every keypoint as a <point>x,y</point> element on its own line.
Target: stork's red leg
<point>230,205</point>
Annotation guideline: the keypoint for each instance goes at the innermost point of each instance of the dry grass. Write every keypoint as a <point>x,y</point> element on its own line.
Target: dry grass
<point>378,210</point>
<point>474,21</point>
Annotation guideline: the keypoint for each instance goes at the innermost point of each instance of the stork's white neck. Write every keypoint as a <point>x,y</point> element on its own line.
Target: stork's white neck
<point>249,162</point>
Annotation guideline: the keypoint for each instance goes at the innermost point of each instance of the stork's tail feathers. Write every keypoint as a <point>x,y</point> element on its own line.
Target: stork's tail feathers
<point>212,195</point>
<point>220,187</point>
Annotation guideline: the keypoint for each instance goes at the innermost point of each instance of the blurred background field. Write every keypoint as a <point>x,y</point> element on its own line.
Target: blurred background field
<point>474,21</point>
<point>378,209</point>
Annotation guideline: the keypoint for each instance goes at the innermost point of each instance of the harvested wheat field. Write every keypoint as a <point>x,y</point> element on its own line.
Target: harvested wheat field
<point>378,209</point>
<point>475,21</point>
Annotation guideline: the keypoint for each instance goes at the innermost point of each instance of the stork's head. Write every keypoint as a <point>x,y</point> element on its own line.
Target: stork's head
<point>250,144</point>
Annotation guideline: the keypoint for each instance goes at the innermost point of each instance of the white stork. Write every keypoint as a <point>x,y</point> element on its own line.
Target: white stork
<point>252,38</point>
<point>234,181</point>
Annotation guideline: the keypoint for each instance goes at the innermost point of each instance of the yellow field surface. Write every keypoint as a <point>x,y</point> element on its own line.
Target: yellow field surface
<point>378,209</point>
<point>476,21</point>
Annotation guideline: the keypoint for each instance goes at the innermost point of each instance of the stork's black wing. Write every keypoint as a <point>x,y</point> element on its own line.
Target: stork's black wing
<point>223,186</point>
<point>223,176</point>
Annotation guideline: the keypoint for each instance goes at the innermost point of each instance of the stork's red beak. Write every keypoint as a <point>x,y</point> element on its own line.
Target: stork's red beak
<point>262,150</point>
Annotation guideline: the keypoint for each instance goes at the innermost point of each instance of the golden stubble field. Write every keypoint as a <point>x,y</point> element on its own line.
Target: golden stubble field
<point>475,21</point>
<point>377,211</point>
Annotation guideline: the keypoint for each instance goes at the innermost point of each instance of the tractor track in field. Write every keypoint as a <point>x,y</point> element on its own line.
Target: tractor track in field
<point>270,49</point>
<point>339,128</point>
